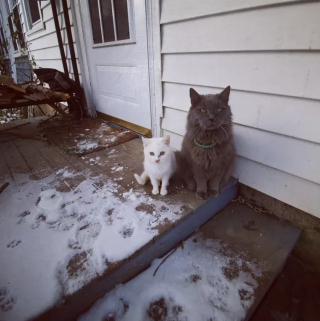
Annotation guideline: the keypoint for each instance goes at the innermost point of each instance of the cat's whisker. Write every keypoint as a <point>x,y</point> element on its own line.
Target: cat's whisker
<point>196,131</point>
<point>224,131</point>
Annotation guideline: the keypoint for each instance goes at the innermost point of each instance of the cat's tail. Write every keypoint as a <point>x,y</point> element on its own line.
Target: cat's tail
<point>142,179</point>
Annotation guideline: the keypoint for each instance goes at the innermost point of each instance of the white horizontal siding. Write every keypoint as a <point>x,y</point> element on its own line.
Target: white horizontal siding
<point>284,115</point>
<point>175,10</point>
<point>53,53</point>
<point>290,189</point>
<point>278,151</point>
<point>268,51</point>
<point>293,74</point>
<point>280,185</point>
<point>44,46</point>
<point>272,29</point>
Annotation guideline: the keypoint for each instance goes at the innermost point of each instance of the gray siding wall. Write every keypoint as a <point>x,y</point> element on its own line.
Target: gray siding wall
<point>268,51</point>
<point>43,44</point>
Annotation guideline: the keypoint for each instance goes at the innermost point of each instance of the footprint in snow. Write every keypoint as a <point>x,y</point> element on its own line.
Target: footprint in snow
<point>88,232</point>
<point>126,231</point>
<point>13,244</point>
<point>7,301</point>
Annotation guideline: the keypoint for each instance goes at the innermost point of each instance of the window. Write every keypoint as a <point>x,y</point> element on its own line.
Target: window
<point>33,16</point>
<point>17,23</point>
<point>33,11</point>
<point>3,42</point>
<point>109,21</point>
<point>13,37</point>
<point>15,27</point>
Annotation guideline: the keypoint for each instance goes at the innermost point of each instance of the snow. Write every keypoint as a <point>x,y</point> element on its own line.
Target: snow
<point>55,239</point>
<point>189,285</point>
<point>117,168</point>
<point>66,174</point>
<point>87,145</point>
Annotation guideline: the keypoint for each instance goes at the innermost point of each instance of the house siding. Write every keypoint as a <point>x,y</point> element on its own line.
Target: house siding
<point>268,51</point>
<point>12,55</point>
<point>43,45</point>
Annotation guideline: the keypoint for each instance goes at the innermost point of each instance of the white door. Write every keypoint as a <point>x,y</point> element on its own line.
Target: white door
<point>116,48</point>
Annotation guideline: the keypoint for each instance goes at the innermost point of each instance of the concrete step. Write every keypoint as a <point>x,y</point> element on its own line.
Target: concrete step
<point>71,228</point>
<point>169,236</point>
<point>219,273</point>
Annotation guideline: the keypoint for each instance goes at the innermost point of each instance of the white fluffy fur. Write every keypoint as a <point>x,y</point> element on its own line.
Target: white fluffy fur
<point>159,168</point>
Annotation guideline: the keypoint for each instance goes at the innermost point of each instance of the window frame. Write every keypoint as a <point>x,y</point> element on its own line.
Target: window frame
<point>132,38</point>
<point>33,27</point>
<point>11,6</point>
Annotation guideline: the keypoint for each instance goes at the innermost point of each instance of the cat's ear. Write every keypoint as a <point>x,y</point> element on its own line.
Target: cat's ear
<point>194,96</point>
<point>145,141</point>
<point>166,140</point>
<point>224,95</point>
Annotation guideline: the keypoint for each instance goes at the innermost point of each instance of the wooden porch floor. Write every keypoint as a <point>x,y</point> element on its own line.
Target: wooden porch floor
<point>71,228</point>
<point>34,168</point>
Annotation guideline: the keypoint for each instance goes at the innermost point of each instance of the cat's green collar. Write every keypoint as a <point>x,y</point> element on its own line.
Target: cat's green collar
<point>203,146</point>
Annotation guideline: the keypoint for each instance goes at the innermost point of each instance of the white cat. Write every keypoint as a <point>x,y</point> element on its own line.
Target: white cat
<point>159,164</point>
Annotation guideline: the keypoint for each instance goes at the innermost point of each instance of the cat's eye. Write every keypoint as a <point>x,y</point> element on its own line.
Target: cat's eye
<point>218,110</point>
<point>162,153</point>
<point>152,153</point>
<point>203,110</point>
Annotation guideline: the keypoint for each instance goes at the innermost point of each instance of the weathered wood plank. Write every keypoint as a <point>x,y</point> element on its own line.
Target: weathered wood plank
<point>283,115</point>
<point>175,10</point>
<point>51,154</point>
<point>14,160</point>
<point>5,174</point>
<point>290,74</point>
<point>274,29</point>
<point>38,165</point>
<point>6,80</point>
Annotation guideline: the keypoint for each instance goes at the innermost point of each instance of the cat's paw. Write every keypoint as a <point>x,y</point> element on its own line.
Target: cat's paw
<point>155,191</point>
<point>137,177</point>
<point>164,192</point>
<point>201,195</point>
<point>214,193</point>
<point>191,186</point>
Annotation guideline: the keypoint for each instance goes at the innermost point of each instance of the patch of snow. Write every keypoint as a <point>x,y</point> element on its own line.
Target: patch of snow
<point>190,285</point>
<point>63,239</point>
<point>86,145</point>
<point>66,174</point>
<point>117,168</point>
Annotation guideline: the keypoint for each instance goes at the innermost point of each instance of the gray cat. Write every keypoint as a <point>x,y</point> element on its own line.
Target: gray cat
<point>207,153</point>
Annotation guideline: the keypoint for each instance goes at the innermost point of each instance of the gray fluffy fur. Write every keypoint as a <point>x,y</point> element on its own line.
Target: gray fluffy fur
<point>209,121</point>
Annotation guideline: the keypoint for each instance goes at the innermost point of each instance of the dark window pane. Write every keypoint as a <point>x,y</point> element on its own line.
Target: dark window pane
<point>4,42</point>
<point>95,21</point>
<point>34,11</point>
<point>12,34</point>
<point>17,23</point>
<point>107,20</point>
<point>1,51</point>
<point>122,20</point>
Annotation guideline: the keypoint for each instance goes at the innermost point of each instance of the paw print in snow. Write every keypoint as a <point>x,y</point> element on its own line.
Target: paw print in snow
<point>13,244</point>
<point>88,232</point>
<point>3,293</point>
<point>7,301</point>
<point>127,231</point>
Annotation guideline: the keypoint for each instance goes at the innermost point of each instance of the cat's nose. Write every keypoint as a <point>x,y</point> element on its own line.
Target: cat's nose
<point>158,160</point>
